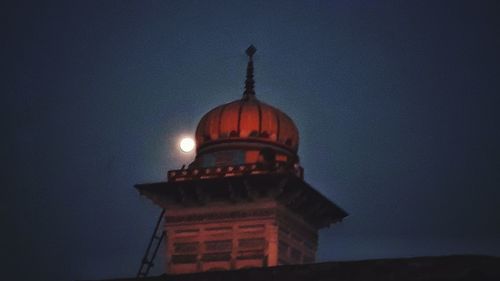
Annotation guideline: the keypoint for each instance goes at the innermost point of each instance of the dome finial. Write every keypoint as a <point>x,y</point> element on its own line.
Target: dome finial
<point>249,82</point>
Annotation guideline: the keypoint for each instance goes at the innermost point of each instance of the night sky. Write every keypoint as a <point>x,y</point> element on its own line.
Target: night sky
<point>396,102</point>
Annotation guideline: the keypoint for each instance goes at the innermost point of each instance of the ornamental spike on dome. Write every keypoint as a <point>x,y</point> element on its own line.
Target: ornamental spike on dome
<point>249,82</point>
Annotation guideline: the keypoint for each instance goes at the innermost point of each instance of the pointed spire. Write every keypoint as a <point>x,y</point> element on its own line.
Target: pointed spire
<point>249,82</point>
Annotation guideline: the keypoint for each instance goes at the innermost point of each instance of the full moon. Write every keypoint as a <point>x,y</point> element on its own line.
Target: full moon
<point>187,144</point>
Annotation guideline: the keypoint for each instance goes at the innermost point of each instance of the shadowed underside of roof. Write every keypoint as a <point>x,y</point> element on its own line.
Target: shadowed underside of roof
<point>291,191</point>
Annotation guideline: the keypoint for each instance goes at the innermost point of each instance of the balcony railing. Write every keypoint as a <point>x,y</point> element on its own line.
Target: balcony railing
<point>232,171</point>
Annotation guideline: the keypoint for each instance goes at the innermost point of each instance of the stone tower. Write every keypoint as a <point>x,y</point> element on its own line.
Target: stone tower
<point>243,201</point>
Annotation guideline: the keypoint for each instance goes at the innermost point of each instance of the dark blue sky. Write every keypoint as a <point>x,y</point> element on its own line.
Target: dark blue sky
<point>396,102</point>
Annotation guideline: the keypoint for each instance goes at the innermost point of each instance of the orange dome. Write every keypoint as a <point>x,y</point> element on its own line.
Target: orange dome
<point>246,131</point>
<point>247,120</point>
<point>247,124</point>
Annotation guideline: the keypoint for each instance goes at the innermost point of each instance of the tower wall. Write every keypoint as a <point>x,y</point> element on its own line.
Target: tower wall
<point>234,236</point>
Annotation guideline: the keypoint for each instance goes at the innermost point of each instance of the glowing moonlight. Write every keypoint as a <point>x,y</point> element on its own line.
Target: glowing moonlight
<point>187,145</point>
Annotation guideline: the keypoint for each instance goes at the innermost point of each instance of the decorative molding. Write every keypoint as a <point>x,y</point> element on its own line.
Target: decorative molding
<point>221,216</point>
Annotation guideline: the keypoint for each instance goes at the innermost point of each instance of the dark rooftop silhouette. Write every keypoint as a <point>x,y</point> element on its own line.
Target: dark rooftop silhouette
<point>461,267</point>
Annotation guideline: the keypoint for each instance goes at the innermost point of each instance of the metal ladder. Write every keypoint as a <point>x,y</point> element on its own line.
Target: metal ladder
<point>152,249</point>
